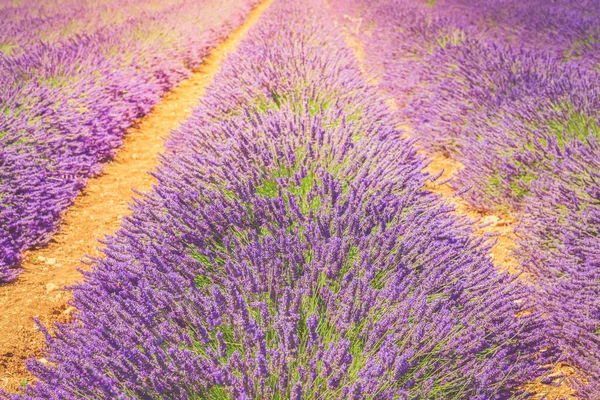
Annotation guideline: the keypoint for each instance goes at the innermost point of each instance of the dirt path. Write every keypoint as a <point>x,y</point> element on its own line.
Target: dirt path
<point>501,226</point>
<point>97,211</point>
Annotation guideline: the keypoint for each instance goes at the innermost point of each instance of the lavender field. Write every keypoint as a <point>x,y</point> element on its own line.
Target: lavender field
<point>73,76</point>
<point>295,244</point>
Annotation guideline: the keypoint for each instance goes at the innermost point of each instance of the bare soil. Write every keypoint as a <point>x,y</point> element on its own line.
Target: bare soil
<point>98,210</point>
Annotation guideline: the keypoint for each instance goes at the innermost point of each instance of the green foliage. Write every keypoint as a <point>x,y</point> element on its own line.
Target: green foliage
<point>455,37</point>
<point>520,185</point>
<point>7,49</point>
<point>202,281</point>
<point>268,188</point>
<point>577,126</point>
<point>580,46</point>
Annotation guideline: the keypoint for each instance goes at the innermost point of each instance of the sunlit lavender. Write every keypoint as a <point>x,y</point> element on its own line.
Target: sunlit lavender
<point>292,246</point>
<point>512,90</point>
<point>73,77</point>
<point>290,250</point>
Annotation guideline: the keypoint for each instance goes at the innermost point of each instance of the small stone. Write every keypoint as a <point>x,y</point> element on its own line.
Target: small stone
<point>50,287</point>
<point>43,361</point>
<point>69,310</point>
<point>51,261</point>
<point>490,219</point>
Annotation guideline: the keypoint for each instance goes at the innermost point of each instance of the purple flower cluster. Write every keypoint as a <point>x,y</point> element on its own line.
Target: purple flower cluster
<point>73,76</point>
<point>512,90</point>
<point>290,250</point>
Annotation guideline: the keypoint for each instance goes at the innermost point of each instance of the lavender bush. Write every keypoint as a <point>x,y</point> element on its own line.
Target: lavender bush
<point>291,251</point>
<point>511,89</point>
<point>73,77</point>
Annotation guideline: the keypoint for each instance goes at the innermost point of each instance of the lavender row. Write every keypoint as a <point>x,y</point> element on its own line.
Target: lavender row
<point>24,23</point>
<point>290,250</point>
<point>65,101</point>
<point>512,90</point>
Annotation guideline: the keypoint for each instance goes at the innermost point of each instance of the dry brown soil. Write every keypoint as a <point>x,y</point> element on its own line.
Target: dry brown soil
<point>97,211</point>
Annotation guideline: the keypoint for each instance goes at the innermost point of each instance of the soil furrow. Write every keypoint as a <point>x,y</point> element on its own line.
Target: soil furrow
<point>97,211</point>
